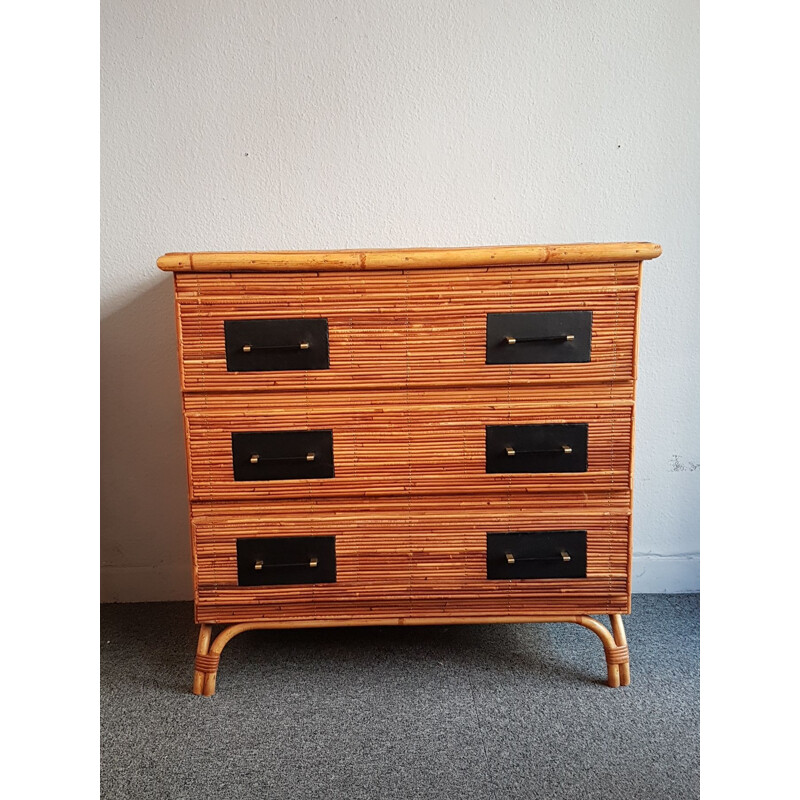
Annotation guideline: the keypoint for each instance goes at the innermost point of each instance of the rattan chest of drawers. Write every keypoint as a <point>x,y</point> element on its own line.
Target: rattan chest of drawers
<point>399,437</point>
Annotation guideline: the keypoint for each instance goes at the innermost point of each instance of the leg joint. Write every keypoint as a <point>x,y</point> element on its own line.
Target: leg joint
<point>617,655</point>
<point>206,663</point>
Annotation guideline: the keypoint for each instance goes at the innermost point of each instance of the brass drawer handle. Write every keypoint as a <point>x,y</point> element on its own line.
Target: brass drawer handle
<point>563,556</point>
<point>564,337</point>
<point>257,459</point>
<point>313,561</point>
<point>563,449</point>
<point>248,348</point>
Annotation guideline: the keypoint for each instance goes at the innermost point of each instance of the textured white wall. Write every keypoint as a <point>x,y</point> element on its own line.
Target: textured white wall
<point>313,124</point>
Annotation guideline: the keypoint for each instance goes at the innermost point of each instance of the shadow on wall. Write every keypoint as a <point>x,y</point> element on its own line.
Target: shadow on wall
<point>144,515</point>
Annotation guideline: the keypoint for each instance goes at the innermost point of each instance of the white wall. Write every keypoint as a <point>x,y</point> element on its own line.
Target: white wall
<point>313,124</point>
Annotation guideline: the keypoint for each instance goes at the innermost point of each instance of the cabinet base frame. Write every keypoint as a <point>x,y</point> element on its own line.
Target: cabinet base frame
<point>207,659</point>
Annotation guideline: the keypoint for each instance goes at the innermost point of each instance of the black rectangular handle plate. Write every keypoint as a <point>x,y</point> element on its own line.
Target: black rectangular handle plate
<point>270,345</point>
<point>539,337</point>
<point>282,560</point>
<point>537,448</point>
<point>535,555</point>
<point>282,455</point>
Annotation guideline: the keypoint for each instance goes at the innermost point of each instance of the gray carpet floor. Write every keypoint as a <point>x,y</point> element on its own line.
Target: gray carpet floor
<point>473,712</point>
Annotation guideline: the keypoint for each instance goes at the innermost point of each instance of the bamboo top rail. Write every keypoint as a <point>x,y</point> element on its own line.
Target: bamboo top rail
<point>409,258</point>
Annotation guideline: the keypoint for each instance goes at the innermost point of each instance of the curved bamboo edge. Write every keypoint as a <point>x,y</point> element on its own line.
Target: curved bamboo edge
<point>207,658</point>
<point>409,258</point>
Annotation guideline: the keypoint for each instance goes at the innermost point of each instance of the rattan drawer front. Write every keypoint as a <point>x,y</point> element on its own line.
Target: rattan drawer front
<point>397,443</point>
<point>408,558</point>
<point>425,328</point>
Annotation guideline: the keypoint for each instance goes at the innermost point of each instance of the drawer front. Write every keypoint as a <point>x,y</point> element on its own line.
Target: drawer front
<point>424,328</point>
<point>535,555</point>
<point>408,557</point>
<point>272,345</point>
<point>285,560</point>
<point>282,455</point>
<point>539,337</point>
<point>537,448</point>
<point>386,443</point>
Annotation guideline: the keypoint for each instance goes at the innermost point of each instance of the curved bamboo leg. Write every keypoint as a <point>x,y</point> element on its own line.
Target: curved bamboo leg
<point>223,637</point>
<point>615,655</point>
<point>202,661</point>
<point>622,645</point>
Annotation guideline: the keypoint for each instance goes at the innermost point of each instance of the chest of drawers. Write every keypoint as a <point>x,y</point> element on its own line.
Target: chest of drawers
<point>399,437</point>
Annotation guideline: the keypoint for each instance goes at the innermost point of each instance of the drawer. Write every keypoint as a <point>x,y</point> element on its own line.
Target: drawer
<point>411,556</point>
<point>423,442</point>
<point>424,328</point>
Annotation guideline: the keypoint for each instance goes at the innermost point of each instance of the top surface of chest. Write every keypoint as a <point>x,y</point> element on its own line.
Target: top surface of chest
<point>408,258</point>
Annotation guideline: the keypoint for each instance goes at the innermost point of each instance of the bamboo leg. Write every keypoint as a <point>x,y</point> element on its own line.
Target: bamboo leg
<point>201,659</point>
<point>622,643</point>
<point>613,653</point>
<point>210,683</point>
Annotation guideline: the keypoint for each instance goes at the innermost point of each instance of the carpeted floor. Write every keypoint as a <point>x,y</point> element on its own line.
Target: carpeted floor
<point>472,712</point>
